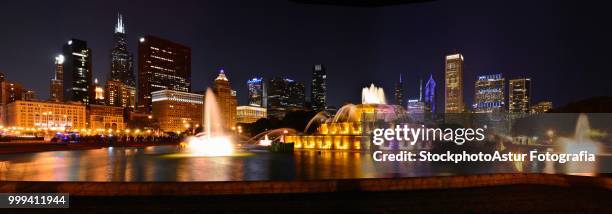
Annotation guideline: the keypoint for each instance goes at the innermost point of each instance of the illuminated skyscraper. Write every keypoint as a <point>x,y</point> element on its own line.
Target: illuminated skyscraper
<point>430,95</point>
<point>77,72</point>
<point>57,88</point>
<point>453,93</point>
<point>122,61</point>
<point>257,92</point>
<point>226,98</point>
<point>318,88</point>
<point>399,91</point>
<point>162,65</point>
<point>489,94</point>
<point>519,98</point>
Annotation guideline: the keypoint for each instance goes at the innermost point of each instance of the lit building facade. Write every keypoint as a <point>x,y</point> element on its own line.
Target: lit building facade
<point>46,115</point>
<point>453,91</point>
<point>318,89</point>
<point>176,110</point>
<point>250,114</point>
<point>120,94</point>
<point>489,94</point>
<point>519,99</point>
<point>77,80</point>
<point>415,106</point>
<point>257,92</point>
<point>399,91</point>
<point>105,117</point>
<point>226,99</point>
<point>542,107</point>
<point>122,61</point>
<point>162,65</point>
<point>57,84</point>
<point>430,95</point>
<point>98,94</point>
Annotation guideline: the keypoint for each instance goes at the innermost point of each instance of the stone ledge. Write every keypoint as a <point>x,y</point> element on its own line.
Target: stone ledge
<point>309,186</point>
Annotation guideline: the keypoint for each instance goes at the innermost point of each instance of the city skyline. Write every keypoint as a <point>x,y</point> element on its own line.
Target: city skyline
<point>245,62</point>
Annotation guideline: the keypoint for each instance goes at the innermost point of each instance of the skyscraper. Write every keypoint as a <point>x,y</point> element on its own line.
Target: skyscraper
<point>519,98</point>
<point>77,72</point>
<point>257,92</point>
<point>284,95</point>
<point>57,88</point>
<point>297,96</point>
<point>122,61</point>
<point>399,91</point>
<point>162,65</point>
<point>318,88</point>
<point>453,75</point>
<point>489,94</point>
<point>226,97</point>
<point>430,95</point>
<point>277,97</point>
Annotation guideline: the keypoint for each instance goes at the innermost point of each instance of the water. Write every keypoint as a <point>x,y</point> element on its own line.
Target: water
<point>161,164</point>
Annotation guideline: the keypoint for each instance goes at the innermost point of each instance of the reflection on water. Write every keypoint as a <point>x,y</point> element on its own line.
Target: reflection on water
<point>153,164</point>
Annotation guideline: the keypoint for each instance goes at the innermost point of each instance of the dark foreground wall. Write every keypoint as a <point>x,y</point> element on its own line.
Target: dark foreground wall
<point>314,186</point>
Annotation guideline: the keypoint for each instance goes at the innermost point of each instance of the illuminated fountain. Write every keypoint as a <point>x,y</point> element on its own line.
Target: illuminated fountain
<point>212,141</point>
<point>581,142</point>
<point>349,128</point>
<point>266,141</point>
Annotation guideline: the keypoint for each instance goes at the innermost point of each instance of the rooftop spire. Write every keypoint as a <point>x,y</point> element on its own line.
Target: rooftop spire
<point>119,28</point>
<point>221,76</point>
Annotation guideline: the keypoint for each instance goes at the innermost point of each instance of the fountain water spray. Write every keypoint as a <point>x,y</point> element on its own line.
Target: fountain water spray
<point>211,142</point>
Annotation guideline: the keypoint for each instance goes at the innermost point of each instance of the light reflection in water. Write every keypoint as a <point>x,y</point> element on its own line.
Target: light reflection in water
<point>153,164</point>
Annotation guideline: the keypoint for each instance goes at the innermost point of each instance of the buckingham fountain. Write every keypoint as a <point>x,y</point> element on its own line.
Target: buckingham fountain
<point>212,141</point>
<point>351,126</point>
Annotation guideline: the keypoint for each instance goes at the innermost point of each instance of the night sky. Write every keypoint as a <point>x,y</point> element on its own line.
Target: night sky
<point>564,47</point>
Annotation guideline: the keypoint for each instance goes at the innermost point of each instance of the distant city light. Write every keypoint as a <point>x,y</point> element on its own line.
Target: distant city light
<point>142,39</point>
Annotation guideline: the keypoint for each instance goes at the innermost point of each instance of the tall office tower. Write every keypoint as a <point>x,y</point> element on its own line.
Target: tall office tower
<point>278,97</point>
<point>122,61</point>
<point>399,91</point>
<point>520,95</point>
<point>453,93</point>
<point>57,88</point>
<point>226,99</point>
<point>489,94</point>
<point>430,95</point>
<point>257,92</point>
<point>120,94</point>
<point>162,65</point>
<point>77,72</point>
<point>297,97</point>
<point>318,88</point>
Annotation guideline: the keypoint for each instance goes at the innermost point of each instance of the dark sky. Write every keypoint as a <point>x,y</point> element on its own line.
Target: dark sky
<point>565,47</point>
